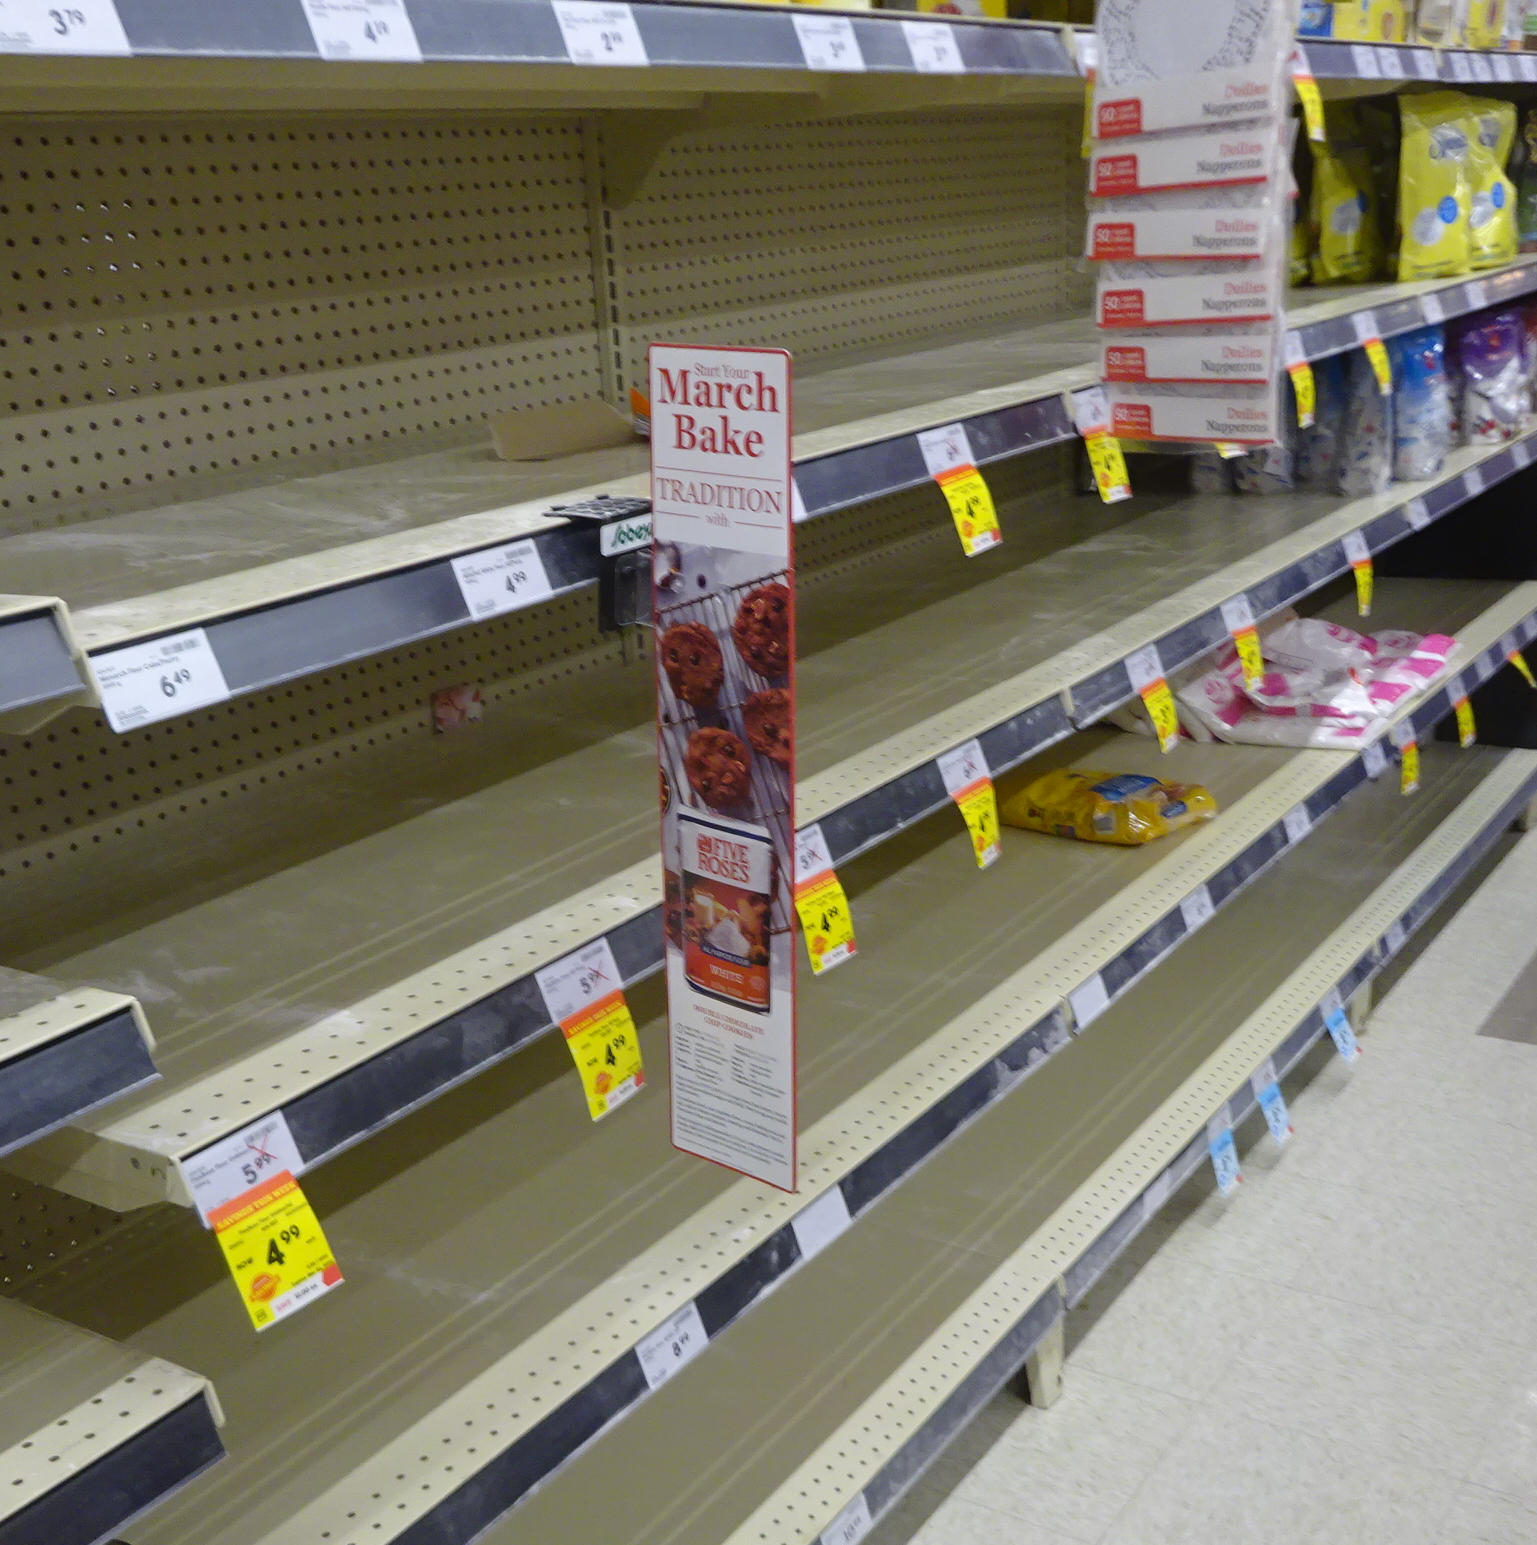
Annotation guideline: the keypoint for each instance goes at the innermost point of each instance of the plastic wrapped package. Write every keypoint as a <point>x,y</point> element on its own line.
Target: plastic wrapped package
<point>1434,185</point>
<point>1492,361</point>
<point>1343,210</point>
<point>1366,432</point>
<point>1210,474</point>
<point>1492,236</point>
<point>1269,469</point>
<point>1317,460</point>
<point>1422,409</point>
<point>1127,809</point>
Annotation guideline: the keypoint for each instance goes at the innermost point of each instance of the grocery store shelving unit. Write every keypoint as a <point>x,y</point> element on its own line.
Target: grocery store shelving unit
<point>247,382</point>
<point>91,1435</point>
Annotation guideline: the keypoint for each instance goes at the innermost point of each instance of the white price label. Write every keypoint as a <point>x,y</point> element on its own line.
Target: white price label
<point>1144,667</point>
<point>1086,52</point>
<point>501,579</point>
<point>963,766</point>
<point>1403,733</point>
<point>1425,64</point>
<point>934,48</point>
<point>1365,324</point>
<point>798,511</point>
<point>1502,69</point>
<point>157,680</point>
<point>1520,453</point>
<point>1196,908</point>
<point>812,855</point>
<point>1526,66</point>
<point>43,27</point>
<point>1295,353</point>
<point>945,448</point>
<point>673,1343</point>
<point>1091,410</point>
<point>1431,308</point>
<point>1475,295</point>
<point>1237,614</point>
<point>1364,57</point>
<point>850,1526</point>
<point>1417,514</point>
<point>823,1221</point>
<point>1356,550</point>
<point>1089,1001</point>
<point>1473,481</point>
<point>597,33</point>
<point>1389,62</point>
<point>1224,1153</point>
<point>362,29</point>
<point>1297,823</point>
<point>230,1167</point>
<point>1461,69</point>
<point>1374,759</point>
<point>828,43</point>
<point>1393,939</point>
<point>578,979</point>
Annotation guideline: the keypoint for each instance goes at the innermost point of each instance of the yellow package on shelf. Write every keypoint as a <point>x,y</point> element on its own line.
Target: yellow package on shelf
<point>1123,808</point>
<point>1369,21</point>
<point>1492,236</point>
<point>1434,186</point>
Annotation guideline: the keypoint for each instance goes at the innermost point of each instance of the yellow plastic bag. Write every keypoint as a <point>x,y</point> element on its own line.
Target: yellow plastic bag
<point>1343,203</point>
<point>1434,186</point>
<point>1124,808</point>
<point>1492,236</point>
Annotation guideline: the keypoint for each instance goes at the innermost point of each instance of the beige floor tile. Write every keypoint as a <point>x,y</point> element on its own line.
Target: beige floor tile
<point>957,1522</point>
<point>1479,1517</point>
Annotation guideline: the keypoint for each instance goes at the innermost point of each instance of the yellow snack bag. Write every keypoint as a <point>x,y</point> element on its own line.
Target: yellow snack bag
<point>1492,238</point>
<point>1434,185</point>
<point>1343,204</point>
<point>1485,24</point>
<point>1124,808</point>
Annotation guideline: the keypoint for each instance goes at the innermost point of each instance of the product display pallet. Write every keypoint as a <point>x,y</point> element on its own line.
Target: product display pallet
<point>91,1435</point>
<point>313,603</point>
<point>934,1023</point>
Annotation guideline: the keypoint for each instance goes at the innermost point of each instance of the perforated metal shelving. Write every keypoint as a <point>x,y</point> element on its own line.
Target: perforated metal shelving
<point>91,1435</point>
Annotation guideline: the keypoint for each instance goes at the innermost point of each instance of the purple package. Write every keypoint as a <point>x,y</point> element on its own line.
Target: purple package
<point>1491,354</point>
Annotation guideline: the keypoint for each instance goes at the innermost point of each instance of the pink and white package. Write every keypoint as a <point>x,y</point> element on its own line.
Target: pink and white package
<point>1324,685</point>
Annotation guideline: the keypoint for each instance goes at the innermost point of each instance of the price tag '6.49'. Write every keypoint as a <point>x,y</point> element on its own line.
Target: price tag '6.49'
<point>158,680</point>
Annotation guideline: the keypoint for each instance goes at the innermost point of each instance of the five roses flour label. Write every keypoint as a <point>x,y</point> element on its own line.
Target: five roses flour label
<point>725,651</point>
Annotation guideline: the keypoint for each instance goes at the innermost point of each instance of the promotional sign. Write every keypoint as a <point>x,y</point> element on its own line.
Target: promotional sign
<point>725,650</point>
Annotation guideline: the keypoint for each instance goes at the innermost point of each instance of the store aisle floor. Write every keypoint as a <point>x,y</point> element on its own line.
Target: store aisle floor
<point>1345,1351</point>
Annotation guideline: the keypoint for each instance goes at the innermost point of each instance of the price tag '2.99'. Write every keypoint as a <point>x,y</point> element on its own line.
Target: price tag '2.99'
<point>501,579</point>
<point>585,997</point>
<point>598,33</point>
<point>44,27</point>
<point>275,1249</point>
<point>362,29</point>
<point>970,785</point>
<point>158,680</point>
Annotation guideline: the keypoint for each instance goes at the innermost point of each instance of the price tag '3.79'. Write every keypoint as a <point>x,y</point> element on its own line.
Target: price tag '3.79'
<point>157,680</point>
<point>77,27</point>
<point>501,579</point>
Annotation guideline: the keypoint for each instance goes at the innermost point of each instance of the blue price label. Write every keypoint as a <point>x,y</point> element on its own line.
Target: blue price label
<point>1338,1025</point>
<point>1224,1154</point>
<point>1277,1117</point>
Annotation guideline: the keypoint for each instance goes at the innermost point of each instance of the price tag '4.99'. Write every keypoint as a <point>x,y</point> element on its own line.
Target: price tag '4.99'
<point>158,680</point>
<point>362,29</point>
<point>948,456</point>
<point>821,904</point>
<point>970,785</point>
<point>275,1249</point>
<point>1145,669</point>
<point>1238,618</point>
<point>501,579</point>
<point>584,996</point>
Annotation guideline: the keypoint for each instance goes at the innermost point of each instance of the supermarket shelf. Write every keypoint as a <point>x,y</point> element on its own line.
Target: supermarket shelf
<point>1394,64</point>
<point>680,45</point>
<point>37,664</point>
<point>433,991</point>
<point>91,1434</point>
<point>63,1053</point>
<point>491,1317</point>
<point>1138,1094</point>
<point>1327,325</point>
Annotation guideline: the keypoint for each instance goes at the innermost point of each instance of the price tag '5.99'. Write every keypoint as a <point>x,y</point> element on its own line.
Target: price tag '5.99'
<point>275,1249</point>
<point>234,1165</point>
<point>501,579</point>
<point>158,680</point>
<point>44,27</point>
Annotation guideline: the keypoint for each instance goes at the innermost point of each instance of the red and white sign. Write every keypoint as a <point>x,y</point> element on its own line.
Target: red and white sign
<point>722,503</point>
<point>1199,359</point>
<point>1218,158</point>
<point>1176,299</point>
<point>1177,233</point>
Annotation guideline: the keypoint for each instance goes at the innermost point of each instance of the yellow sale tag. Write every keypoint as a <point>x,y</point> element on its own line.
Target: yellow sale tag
<point>1409,768</point>
<point>1518,659</point>
<point>275,1249</point>
<point>1363,573</point>
<point>1378,355</point>
<point>1161,710</point>
<point>1305,391</point>
<point>606,1049</point>
<point>971,507</point>
<point>1466,734</point>
<point>979,807</point>
<point>1110,474</point>
<point>1249,655</point>
<point>1307,94</point>
<point>825,921</point>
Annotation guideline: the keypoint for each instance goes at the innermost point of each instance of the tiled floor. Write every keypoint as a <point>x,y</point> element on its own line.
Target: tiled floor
<point>1344,1352</point>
